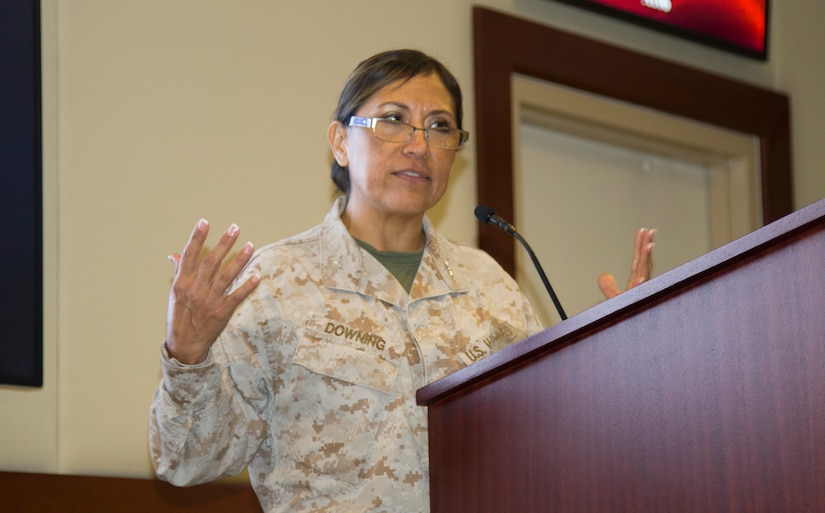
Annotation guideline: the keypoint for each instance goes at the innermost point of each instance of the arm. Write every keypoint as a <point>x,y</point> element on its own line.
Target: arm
<point>201,425</point>
<point>207,421</point>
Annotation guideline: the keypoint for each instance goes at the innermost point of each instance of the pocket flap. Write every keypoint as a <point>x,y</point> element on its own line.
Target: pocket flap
<point>321,355</point>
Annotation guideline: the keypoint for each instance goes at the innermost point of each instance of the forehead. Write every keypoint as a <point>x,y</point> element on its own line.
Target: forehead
<point>421,92</point>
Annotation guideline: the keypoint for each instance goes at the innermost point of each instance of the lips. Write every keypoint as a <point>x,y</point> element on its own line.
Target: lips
<point>412,174</point>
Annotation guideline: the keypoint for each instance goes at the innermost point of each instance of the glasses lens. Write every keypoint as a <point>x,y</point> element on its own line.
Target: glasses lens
<point>448,138</point>
<point>397,131</point>
<point>392,131</point>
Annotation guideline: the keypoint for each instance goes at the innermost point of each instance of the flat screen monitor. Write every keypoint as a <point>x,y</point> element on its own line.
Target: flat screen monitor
<point>21,297</point>
<point>739,26</point>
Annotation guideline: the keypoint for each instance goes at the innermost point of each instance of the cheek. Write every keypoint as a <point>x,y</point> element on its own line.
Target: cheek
<point>443,168</point>
<point>359,159</point>
<point>362,171</point>
<point>442,178</point>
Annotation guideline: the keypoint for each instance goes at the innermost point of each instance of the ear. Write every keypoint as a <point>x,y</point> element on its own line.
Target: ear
<point>337,135</point>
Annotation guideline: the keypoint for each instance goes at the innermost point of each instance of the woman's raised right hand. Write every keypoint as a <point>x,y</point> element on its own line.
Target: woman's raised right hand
<point>199,302</point>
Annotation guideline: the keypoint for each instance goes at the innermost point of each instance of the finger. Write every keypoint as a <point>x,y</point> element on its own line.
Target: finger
<point>231,271</point>
<point>607,284</point>
<point>213,260</point>
<point>242,292</point>
<point>646,255</point>
<point>638,244</point>
<point>642,264</point>
<point>188,260</point>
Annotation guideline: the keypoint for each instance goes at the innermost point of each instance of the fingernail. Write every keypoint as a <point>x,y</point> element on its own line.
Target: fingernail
<point>247,248</point>
<point>203,224</point>
<point>233,230</point>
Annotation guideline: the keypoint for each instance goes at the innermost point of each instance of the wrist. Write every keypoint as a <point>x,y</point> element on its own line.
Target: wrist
<point>182,357</point>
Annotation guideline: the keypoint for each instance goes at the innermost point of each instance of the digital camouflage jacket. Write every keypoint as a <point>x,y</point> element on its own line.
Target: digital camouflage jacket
<point>312,384</point>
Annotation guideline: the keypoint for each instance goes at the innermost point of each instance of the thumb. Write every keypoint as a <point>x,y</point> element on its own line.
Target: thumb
<point>607,284</point>
<point>175,259</point>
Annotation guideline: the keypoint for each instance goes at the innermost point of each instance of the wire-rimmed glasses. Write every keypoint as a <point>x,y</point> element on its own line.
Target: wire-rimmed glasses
<point>390,130</point>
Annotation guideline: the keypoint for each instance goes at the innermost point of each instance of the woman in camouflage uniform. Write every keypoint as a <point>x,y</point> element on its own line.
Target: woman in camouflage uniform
<point>300,362</point>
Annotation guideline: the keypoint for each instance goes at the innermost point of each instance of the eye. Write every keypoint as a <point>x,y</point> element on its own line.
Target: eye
<point>393,116</point>
<point>440,123</point>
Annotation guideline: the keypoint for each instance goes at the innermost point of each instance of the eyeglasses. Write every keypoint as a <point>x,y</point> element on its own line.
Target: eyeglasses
<point>390,130</point>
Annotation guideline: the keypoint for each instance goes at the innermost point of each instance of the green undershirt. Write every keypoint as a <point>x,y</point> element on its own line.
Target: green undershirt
<point>401,265</point>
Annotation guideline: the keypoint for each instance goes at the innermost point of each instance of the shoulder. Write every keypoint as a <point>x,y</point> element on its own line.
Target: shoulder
<point>305,243</point>
<point>471,261</point>
<point>296,242</point>
<point>292,254</point>
<point>448,246</point>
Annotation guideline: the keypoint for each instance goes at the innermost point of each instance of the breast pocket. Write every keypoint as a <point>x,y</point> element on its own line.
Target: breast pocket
<point>341,390</point>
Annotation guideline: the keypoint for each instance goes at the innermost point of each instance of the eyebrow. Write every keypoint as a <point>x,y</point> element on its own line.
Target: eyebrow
<point>404,106</point>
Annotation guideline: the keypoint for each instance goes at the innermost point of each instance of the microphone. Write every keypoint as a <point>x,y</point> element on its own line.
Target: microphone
<point>487,215</point>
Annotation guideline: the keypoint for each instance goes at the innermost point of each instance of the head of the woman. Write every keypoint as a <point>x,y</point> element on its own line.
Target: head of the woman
<point>399,77</point>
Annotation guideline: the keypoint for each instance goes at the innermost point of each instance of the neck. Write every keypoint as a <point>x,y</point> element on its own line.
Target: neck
<point>402,234</point>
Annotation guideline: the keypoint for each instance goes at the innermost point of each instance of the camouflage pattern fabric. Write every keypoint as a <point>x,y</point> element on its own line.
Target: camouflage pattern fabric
<point>312,384</point>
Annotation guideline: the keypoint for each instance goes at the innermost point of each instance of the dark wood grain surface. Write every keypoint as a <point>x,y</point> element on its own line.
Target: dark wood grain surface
<point>703,390</point>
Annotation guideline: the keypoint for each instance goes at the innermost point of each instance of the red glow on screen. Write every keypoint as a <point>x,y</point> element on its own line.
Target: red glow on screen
<point>738,22</point>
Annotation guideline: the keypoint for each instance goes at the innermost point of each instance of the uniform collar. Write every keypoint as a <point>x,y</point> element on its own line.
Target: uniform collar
<point>346,266</point>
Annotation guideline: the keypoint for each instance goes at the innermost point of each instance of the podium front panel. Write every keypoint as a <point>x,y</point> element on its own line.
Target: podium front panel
<point>709,397</point>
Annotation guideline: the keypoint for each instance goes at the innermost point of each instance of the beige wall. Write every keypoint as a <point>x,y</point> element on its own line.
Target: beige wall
<point>158,112</point>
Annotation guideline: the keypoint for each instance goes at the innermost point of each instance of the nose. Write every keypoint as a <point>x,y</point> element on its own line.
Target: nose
<point>418,145</point>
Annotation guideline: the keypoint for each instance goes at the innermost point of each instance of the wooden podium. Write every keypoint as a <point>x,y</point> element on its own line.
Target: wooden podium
<point>702,390</point>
